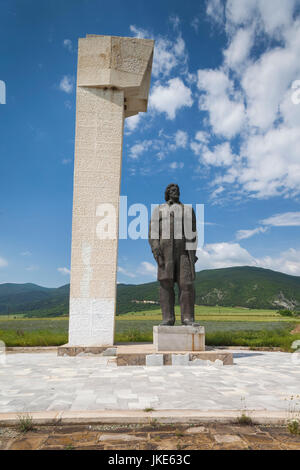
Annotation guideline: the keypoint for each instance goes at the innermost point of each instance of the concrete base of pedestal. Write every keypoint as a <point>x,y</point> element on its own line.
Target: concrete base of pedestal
<point>179,338</point>
<point>69,350</point>
<point>145,355</point>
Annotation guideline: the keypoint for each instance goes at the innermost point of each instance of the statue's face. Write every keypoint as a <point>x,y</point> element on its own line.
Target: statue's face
<point>174,193</point>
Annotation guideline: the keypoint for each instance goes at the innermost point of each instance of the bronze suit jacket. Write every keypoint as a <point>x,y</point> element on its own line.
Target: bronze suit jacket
<point>167,232</point>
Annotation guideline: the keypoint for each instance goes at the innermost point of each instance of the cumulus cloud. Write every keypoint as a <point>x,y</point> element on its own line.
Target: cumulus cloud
<point>224,255</point>
<point>271,17</point>
<point>64,271</point>
<point>131,123</point>
<point>250,97</point>
<point>66,84</point>
<point>223,103</point>
<point>239,48</point>
<point>171,97</point>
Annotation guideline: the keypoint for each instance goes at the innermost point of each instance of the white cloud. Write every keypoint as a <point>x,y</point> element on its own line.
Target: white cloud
<point>269,16</point>
<point>239,48</point>
<point>222,102</point>
<point>286,219</point>
<point>67,84</point>
<point>176,165</point>
<point>147,269</point>
<point>170,98</point>
<point>251,98</point>
<point>181,139</point>
<point>132,123</point>
<point>216,192</point>
<point>68,44</point>
<point>125,272</point>
<point>64,271</point>
<point>138,149</point>
<point>287,262</point>
<point>139,32</point>
<point>198,145</point>
<point>221,155</point>
<point>278,67</point>
<point>168,53</point>
<point>242,234</point>
<point>215,10</point>
<point>223,255</point>
<point>3,262</point>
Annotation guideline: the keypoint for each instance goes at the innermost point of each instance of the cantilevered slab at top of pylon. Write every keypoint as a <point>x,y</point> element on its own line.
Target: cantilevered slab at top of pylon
<point>123,63</point>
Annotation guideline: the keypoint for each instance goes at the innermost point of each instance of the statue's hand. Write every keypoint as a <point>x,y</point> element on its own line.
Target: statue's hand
<point>157,253</point>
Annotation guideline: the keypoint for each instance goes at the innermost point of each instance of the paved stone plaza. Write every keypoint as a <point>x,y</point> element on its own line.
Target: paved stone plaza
<point>45,382</point>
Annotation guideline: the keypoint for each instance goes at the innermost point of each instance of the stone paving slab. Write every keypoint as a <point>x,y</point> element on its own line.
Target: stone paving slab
<point>45,382</point>
<point>213,436</point>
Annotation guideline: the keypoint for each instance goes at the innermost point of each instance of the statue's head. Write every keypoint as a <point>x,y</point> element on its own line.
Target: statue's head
<point>172,192</point>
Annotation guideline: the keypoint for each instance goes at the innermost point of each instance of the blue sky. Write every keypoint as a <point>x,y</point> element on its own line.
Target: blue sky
<point>223,122</point>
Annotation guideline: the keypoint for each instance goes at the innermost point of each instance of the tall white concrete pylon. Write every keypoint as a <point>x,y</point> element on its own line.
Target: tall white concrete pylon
<point>113,79</point>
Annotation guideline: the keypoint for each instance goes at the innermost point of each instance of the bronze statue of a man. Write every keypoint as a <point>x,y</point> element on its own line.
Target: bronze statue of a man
<point>173,241</point>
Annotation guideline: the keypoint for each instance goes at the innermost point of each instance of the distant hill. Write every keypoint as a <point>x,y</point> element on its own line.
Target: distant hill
<point>243,286</point>
<point>20,298</point>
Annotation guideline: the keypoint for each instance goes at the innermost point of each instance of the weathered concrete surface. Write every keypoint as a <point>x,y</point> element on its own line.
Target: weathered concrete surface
<point>135,355</point>
<point>113,79</point>
<point>179,338</point>
<point>259,381</point>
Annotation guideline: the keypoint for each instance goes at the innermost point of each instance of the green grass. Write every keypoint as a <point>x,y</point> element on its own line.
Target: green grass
<point>224,326</point>
<point>213,313</point>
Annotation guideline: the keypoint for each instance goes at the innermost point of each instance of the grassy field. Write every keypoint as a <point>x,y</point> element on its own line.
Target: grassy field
<point>224,326</point>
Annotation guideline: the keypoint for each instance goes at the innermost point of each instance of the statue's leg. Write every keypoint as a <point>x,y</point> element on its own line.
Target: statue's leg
<point>167,301</point>
<point>187,302</point>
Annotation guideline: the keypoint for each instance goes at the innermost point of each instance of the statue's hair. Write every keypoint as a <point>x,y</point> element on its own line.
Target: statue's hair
<point>167,191</point>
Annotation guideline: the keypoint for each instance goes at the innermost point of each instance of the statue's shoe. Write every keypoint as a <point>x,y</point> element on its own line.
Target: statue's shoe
<point>190,323</point>
<point>167,323</point>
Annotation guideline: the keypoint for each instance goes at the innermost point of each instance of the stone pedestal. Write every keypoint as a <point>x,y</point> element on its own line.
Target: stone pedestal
<point>113,79</point>
<point>179,338</point>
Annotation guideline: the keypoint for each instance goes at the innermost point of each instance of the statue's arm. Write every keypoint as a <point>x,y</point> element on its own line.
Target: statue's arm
<point>154,238</point>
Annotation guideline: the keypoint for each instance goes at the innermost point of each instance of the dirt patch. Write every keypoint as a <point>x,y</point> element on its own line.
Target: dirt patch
<point>296,330</point>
